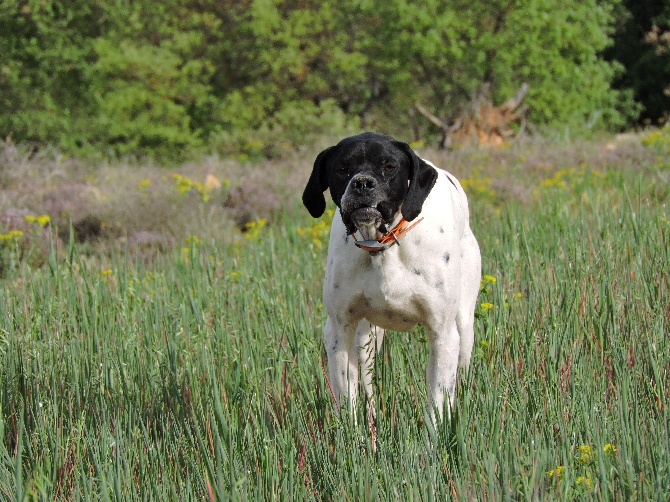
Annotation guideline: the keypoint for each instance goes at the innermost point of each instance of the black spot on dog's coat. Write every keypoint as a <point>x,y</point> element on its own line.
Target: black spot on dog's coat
<point>451,386</point>
<point>416,271</point>
<point>446,257</point>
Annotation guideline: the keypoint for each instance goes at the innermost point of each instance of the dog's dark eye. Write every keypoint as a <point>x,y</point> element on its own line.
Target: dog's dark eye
<point>343,171</point>
<point>389,169</point>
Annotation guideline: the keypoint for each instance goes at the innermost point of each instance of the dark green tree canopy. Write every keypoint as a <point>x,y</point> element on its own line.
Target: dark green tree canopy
<point>164,79</point>
<point>642,46</point>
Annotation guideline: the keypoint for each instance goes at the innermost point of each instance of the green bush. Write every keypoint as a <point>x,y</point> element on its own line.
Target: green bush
<point>144,94</point>
<point>296,124</point>
<point>45,49</point>
<point>659,140</point>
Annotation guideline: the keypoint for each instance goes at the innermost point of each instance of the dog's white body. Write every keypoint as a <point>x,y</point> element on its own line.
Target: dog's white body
<point>431,278</point>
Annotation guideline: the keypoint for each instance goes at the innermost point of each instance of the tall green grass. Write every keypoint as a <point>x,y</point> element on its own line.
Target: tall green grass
<point>202,375</point>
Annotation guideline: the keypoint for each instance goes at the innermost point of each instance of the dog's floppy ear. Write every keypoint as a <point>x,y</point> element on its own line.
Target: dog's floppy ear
<point>313,197</point>
<point>422,177</point>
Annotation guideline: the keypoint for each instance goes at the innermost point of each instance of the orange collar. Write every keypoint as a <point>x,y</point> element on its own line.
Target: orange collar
<point>391,237</point>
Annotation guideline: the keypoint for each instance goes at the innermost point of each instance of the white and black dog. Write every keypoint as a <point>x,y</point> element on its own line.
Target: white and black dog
<point>401,253</point>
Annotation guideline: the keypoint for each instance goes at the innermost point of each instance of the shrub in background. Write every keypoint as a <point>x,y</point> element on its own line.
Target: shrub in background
<point>659,140</point>
<point>642,46</point>
<point>45,51</point>
<point>143,97</point>
<point>295,124</point>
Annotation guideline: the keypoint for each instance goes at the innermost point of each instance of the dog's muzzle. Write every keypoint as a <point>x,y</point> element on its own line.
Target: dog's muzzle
<point>363,184</point>
<point>359,204</point>
<point>366,217</point>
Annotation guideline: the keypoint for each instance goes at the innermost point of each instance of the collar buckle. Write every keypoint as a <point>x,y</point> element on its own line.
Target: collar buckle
<point>393,236</point>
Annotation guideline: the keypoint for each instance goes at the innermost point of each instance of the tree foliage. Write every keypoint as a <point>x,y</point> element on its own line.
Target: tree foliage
<point>642,46</point>
<point>450,50</point>
<point>164,79</point>
<point>45,52</point>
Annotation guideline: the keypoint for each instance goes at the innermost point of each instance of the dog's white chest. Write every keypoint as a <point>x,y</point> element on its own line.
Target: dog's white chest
<point>397,288</point>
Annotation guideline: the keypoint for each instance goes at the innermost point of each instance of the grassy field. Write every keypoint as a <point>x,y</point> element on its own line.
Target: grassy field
<point>200,374</point>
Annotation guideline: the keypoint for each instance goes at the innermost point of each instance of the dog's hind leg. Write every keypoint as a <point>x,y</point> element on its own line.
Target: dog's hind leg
<point>471,273</point>
<point>442,368</point>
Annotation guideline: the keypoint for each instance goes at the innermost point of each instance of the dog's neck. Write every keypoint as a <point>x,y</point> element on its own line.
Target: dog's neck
<point>368,232</point>
<point>373,233</point>
<point>388,239</point>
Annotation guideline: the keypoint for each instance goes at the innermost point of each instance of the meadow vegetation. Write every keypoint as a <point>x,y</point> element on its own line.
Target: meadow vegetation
<point>190,365</point>
<point>161,283</point>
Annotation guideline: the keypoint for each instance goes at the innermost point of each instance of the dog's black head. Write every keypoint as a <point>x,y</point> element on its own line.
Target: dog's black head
<point>371,177</point>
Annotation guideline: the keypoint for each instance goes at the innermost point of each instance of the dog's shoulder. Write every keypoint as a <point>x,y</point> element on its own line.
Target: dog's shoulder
<point>447,199</point>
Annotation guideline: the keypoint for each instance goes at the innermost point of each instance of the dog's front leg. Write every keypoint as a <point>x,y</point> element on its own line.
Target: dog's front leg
<point>342,355</point>
<point>369,340</point>
<point>442,367</point>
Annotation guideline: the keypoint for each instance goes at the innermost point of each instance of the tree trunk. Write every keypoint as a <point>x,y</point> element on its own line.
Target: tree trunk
<point>482,122</point>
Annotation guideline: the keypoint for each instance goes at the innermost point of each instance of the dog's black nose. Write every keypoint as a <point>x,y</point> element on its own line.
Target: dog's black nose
<point>364,183</point>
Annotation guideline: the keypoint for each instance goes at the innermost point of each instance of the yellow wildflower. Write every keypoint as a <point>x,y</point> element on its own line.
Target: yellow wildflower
<point>584,482</point>
<point>659,140</point>
<point>253,228</point>
<point>316,233</point>
<point>486,306</point>
<point>12,235</point>
<point>203,192</point>
<point>485,281</point>
<point>42,221</point>
<point>585,454</point>
<point>557,473</point>
<point>478,187</point>
<point>610,450</point>
<point>184,185</point>
<point>558,179</point>
<point>143,184</point>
